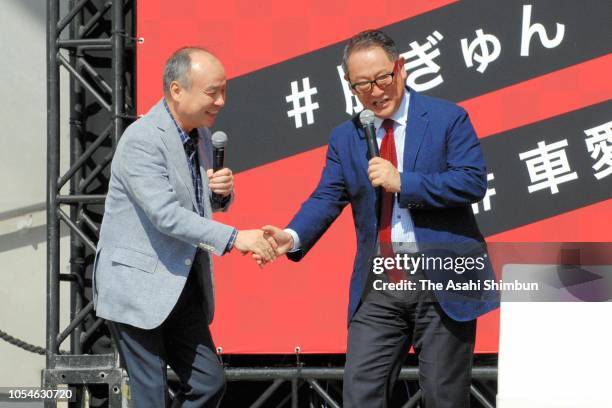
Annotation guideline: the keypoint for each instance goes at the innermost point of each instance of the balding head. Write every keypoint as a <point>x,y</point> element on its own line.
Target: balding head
<point>178,67</point>
<point>194,87</point>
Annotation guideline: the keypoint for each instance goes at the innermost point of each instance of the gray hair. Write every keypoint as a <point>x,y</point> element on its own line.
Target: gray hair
<point>368,39</point>
<point>178,67</point>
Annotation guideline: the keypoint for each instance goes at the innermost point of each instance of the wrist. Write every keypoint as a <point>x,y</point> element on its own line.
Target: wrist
<point>232,241</point>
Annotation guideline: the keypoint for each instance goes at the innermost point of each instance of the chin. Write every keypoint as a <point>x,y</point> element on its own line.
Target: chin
<point>207,123</point>
<point>384,113</point>
<point>380,111</point>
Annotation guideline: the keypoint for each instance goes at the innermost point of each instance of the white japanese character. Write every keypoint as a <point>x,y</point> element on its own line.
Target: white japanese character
<point>548,166</point>
<point>599,144</point>
<point>420,62</point>
<point>486,201</point>
<point>529,30</point>
<point>486,55</point>
<point>351,102</point>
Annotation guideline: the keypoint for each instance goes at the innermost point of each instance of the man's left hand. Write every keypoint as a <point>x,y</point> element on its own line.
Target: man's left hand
<point>221,182</point>
<point>382,173</point>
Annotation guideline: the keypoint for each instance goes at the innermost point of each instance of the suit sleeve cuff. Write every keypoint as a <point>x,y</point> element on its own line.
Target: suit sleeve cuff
<point>408,196</point>
<point>231,242</point>
<point>296,240</point>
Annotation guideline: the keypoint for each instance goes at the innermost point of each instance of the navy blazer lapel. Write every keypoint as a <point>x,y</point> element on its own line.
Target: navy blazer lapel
<point>173,143</point>
<point>362,147</point>
<point>416,128</point>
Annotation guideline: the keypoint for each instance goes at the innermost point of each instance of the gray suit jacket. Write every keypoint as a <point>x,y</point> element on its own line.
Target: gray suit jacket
<point>150,232</point>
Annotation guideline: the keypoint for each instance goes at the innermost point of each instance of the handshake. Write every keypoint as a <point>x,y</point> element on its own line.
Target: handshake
<point>264,244</point>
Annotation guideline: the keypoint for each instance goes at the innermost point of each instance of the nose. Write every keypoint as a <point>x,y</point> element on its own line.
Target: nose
<point>220,100</point>
<point>376,91</point>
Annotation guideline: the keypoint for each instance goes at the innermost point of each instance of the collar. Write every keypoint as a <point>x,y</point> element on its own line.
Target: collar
<point>400,116</point>
<point>184,136</point>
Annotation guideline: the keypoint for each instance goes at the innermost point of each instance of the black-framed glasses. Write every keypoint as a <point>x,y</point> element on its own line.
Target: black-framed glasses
<point>381,81</point>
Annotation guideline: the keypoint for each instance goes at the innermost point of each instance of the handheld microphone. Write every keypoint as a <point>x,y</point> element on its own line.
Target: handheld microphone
<point>219,141</point>
<point>366,118</point>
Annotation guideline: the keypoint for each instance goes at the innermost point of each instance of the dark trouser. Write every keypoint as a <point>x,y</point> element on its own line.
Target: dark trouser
<point>379,337</point>
<point>184,342</point>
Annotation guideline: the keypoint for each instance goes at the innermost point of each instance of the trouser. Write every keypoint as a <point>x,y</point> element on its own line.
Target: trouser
<point>182,341</point>
<point>379,338</point>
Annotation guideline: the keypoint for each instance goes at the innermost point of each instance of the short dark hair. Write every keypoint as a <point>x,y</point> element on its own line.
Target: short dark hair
<point>178,66</point>
<point>368,39</point>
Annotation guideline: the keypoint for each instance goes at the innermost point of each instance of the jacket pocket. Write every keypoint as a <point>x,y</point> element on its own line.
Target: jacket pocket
<point>134,259</point>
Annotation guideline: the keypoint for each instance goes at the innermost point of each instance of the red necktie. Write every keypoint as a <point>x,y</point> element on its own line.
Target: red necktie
<point>387,152</point>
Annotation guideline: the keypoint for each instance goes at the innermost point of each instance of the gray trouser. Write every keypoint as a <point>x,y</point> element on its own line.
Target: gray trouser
<point>379,338</point>
<point>184,342</point>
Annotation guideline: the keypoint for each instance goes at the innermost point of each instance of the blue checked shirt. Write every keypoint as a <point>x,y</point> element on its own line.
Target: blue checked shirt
<point>190,144</point>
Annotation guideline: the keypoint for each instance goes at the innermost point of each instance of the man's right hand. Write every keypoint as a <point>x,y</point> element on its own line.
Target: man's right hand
<point>283,242</point>
<point>255,242</point>
<point>283,239</point>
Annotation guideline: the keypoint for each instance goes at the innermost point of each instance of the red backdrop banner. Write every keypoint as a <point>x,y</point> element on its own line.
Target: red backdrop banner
<point>304,304</point>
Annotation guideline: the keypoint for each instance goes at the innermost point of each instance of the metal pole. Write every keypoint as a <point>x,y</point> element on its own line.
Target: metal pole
<point>77,250</point>
<point>118,41</point>
<point>53,150</point>
<point>53,232</point>
<point>294,393</point>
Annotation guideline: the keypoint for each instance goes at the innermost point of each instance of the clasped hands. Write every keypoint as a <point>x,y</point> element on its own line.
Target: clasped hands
<point>270,242</point>
<point>265,244</point>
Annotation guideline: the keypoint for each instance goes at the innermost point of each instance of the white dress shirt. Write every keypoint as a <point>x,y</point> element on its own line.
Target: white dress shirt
<point>402,226</point>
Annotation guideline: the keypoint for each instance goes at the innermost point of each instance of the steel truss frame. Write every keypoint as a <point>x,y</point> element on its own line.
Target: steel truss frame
<point>325,383</point>
<point>91,43</point>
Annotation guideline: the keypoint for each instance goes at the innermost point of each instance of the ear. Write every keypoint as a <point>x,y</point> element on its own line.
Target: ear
<point>401,62</point>
<point>176,90</point>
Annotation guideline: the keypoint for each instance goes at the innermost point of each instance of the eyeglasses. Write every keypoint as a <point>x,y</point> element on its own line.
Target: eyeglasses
<point>381,81</point>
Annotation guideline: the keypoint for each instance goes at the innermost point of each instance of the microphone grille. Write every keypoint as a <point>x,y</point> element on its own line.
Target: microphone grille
<point>219,139</point>
<point>366,117</point>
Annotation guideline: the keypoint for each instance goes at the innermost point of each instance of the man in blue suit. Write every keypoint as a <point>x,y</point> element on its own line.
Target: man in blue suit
<point>415,199</point>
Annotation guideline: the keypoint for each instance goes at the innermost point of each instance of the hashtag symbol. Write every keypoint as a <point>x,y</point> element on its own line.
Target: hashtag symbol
<point>305,95</point>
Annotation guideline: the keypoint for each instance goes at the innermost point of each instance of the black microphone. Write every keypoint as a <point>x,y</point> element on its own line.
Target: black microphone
<point>219,141</point>
<point>366,118</point>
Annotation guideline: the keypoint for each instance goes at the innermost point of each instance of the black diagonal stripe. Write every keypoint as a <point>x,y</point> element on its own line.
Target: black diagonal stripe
<point>256,114</point>
<point>513,205</point>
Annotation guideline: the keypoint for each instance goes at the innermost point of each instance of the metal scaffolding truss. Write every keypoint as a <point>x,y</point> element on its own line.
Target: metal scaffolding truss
<point>90,43</point>
<point>322,386</point>
<point>93,42</point>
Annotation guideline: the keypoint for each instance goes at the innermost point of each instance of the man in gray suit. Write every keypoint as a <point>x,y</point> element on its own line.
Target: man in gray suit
<point>153,268</point>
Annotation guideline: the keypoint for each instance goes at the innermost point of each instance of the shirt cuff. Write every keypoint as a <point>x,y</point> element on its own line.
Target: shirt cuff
<point>297,245</point>
<point>232,240</point>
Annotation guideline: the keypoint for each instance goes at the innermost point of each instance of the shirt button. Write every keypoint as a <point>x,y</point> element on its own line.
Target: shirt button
<point>188,262</point>
<point>399,217</point>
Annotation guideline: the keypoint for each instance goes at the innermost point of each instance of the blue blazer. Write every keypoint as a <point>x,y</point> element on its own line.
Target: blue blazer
<point>444,173</point>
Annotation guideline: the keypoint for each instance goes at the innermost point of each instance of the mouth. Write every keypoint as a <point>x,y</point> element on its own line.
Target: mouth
<point>380,103</point>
